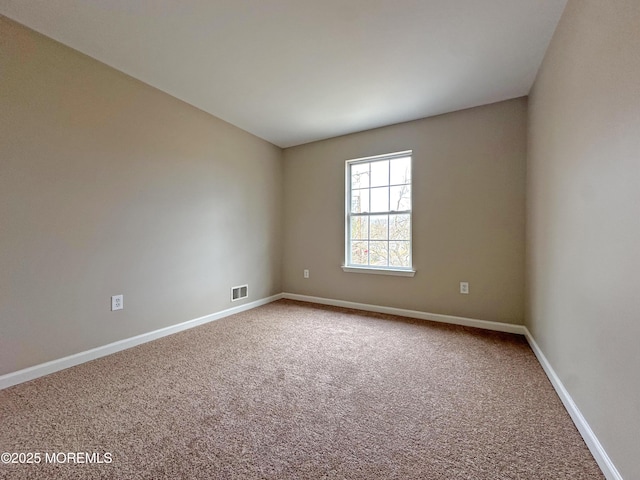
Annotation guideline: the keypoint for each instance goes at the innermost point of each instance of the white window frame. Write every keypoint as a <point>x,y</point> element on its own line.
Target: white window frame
<point>378,270</point>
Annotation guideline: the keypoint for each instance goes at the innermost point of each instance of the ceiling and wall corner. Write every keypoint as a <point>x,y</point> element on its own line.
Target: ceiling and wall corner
<point>292,71</point>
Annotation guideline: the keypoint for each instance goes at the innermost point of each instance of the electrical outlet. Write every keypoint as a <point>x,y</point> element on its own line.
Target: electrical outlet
<point>464,288</point>
<point>306,273</point>
<point>117,302</point>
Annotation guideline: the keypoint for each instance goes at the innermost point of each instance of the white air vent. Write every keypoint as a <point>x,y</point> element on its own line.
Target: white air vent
<point>240,292</point>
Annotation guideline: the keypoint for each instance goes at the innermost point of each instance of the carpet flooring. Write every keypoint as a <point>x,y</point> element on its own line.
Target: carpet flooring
<point>295,390</point>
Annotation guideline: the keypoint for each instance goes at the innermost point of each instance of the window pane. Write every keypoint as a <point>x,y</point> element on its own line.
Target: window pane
<point>378,253</point>
<point>399,254</point>
<point>400,171</point>
<point>380,199</point>
<point>400,227</point>
<point>379,227</point>
<point>379,173</point>
<point>359,228</point>
<point>360,201</point>
<point>360,175</point>
<point>401,198</point>
<point>375,236</point>
<point>359,253</point>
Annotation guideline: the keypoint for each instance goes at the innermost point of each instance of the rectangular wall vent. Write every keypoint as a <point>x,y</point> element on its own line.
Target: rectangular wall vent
<point>238,293</point>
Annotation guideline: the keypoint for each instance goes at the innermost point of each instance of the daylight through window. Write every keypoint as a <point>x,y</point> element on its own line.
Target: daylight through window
<point>378,226</point>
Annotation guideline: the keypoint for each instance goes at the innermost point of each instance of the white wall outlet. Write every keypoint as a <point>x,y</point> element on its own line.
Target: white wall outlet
<point>306,273</point>
<point>117,302</point>
<point>464,288</point>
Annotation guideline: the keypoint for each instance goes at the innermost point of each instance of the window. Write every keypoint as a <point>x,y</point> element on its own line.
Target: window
<point>378,216</point>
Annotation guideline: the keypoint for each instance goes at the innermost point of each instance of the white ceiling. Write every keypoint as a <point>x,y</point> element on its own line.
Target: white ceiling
<point>295,71</point>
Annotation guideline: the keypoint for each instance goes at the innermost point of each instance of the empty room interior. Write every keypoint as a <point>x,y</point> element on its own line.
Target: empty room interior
<point>298,239</point>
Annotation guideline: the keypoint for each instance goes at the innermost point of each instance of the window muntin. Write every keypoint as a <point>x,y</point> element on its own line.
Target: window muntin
<point>378,227</point>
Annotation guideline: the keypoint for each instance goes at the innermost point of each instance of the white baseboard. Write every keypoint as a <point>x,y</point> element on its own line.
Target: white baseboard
<point>598,452</point>
<point>43,369</point>
<point>434,317</point>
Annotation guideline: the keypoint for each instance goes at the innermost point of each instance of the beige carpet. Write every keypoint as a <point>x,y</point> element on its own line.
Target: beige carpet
<point>294,390</point>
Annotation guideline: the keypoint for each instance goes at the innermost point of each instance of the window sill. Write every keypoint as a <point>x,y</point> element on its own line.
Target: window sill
<point>380,271</point>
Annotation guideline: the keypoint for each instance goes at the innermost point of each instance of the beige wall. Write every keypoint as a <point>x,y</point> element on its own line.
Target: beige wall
<point>109,186</point>
<point>583,213</point>
<point>469,181</point>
